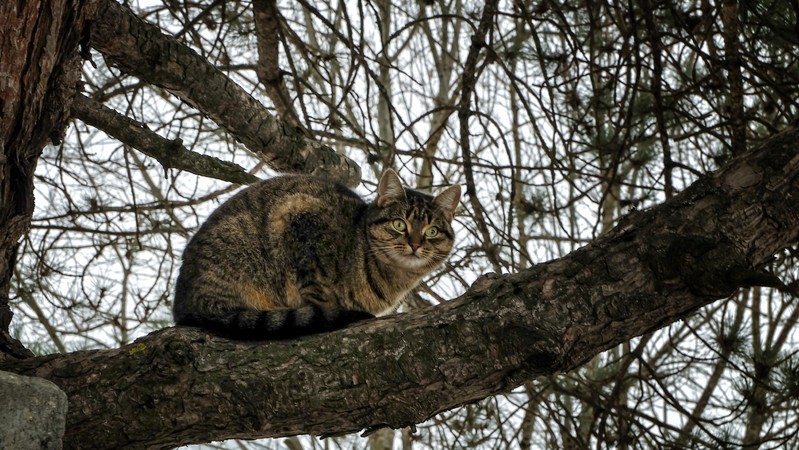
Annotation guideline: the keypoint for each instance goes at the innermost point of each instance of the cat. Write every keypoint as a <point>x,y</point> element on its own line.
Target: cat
<point>297,255</point>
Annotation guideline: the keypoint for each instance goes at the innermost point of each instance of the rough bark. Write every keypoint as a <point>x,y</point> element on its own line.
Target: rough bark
<point>171,154</point>
<point>267,30</point>
<point>38,75</point>
<point>141,49</point>
<point>179,386</point>
<point>734,109</point>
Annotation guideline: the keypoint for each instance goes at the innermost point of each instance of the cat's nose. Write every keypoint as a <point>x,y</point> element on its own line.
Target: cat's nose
<point>415,245</point>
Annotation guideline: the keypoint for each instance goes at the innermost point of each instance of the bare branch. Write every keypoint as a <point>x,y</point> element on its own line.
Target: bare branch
<point>470,75</point>
<point>141,49</point>
<point>170,153</point>
<point>267,29</point>
<point>732,63</point>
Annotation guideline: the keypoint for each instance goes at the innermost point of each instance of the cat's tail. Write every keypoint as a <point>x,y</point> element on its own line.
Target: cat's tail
<point>273,324</point>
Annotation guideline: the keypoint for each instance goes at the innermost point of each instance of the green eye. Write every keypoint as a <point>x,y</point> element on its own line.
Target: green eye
<point>399,224</point>
<point>431,232</point>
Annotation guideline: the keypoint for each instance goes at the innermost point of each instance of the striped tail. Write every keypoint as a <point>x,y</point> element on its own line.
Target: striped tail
<point>274,324</point>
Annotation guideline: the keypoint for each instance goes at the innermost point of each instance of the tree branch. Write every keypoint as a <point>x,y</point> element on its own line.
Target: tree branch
<point>468,83</point>
<point>732,64</point>
<point>267,30</point>
<point>170,153</point>
<point>142,50</point>
<point>181,385</point>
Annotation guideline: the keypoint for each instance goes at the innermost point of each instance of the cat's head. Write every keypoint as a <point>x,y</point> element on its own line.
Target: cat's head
<point>411,230</point>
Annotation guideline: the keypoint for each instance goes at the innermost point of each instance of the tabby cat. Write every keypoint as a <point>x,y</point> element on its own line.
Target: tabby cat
<point>297,255</point>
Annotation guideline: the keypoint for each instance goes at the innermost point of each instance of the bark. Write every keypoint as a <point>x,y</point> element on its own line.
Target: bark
<point>267,29</point>
<point>734,108</point>
<point>141,49</point>
<point>181,385</point>
<point>171,154</point>
<point>657,87</point>
<point>468,84</point>
<point>38,75</point>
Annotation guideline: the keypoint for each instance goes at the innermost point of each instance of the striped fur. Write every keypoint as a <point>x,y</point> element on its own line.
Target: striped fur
<point>297,255</point>
<point>274,324</point>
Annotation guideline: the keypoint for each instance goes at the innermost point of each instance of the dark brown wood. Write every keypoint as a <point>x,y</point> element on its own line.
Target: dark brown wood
<point>267,30</point>
<point>141,49</point>
<point>180,386</point>
<point>734,109</point>
<point>39,73</point>
<point>171,154</point>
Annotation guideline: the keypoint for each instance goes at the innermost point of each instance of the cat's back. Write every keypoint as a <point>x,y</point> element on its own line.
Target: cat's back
<point>258,206</point>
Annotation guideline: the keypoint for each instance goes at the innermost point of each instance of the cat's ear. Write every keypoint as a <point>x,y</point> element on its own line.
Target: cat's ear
<point>389,189</point>
<point>448,200</point>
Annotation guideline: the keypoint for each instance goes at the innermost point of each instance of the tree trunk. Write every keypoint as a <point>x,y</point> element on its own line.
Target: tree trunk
<point>39,71</point>
<point>180,385</point>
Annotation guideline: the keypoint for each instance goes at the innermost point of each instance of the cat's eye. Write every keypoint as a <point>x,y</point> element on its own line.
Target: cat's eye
<point>431,232</point>
<point>399,224</point>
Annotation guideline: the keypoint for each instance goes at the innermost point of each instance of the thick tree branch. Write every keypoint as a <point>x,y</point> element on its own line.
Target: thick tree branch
<point>178,386</point>
<point>142,50</point>
<point>170,153</point>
